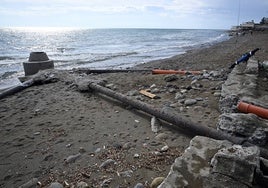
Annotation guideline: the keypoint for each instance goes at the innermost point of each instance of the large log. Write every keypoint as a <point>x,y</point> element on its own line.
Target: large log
<point>174,118</point>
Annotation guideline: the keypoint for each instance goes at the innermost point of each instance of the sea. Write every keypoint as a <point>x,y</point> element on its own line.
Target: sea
<point>96,48</point>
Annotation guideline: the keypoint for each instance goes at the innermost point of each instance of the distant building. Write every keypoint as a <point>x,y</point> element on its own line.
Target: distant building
<point>247,25</point>
<point>264,20</point>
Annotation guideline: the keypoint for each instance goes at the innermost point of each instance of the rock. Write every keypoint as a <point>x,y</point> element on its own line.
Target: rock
<point>82,150</point>
<point>199,99</point>
<point>55,185</point>
<point>126,174</point>
<point>82,85</point>
<point>172,90</point>
<point>194,82</point>
<point>136,155</point>
<point>111,86</point>
<point>82,184</point>
<point>190,169</point>
<point>132,93</point>
<point>30,184</point>
<point>127,145</point>
<point>156,182</point>
<point>107,163</point>
<point>170,78</point>
<point>106,182</point>
<point>155,125</point>
<point>164,149</point>
<point>155,90</point>
<point>228,104</point>
<point>238,162</point>
<point>153,86</point>
<point>215,73</point>
<point>217,94</point>
<point>190,102</point>
<point>139,185</point>
<point>161,136</point>
<point>216,180</point>
<point>72,158</point>
<point>248,126</point>
<point>252,67</point>
<point>179,96</point>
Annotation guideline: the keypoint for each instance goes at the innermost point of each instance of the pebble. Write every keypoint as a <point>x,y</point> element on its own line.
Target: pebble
<point>170,78</point>
<point>107,163</point>
<point>155,125</point>
<point>127,173</point>
<point>164,149</point>
<point>37,133</point>
<point>156,182</point>
<point>106,182</point>
<point>162,136</point>
<point>217,94</point>
<point>152,86</point>
<point>32,183</point>
<point>179,96</point>
<point>97,150</point>
<point>189,102</point>
<point>82,150</point>
<point>127,145</point>
<point>136,155</point>
<point>139,185</point>
<point>55,185</point>
<point>82,184</point>
<point>72,158</point>
<point>133,93</point>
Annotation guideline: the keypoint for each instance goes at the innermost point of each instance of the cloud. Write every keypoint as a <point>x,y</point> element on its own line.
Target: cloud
<point>179,6</point>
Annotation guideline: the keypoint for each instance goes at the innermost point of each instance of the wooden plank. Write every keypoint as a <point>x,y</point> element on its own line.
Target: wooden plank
<point>148,94</point>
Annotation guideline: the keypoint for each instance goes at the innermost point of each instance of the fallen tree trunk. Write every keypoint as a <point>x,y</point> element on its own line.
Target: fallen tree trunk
<point>173,118</point>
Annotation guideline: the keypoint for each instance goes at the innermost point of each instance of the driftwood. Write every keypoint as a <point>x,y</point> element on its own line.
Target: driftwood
<point>174,118</point>
<point>15,89</point>
<point>148,94</point>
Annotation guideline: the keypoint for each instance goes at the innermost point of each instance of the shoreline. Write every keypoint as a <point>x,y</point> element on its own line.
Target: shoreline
<point>45,124</point>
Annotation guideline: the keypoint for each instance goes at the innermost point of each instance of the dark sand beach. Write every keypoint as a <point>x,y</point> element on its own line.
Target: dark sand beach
<point>56,133</point>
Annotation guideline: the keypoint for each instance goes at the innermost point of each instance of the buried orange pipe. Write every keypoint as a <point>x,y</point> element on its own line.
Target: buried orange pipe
<point>161,71</point>
<point>249,108</point>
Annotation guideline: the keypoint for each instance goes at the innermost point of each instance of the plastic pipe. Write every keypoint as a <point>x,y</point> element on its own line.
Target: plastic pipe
<point>249,108</point>
<point>161,71</point>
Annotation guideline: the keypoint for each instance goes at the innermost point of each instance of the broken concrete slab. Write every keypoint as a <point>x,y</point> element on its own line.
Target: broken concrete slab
<point>248,126</point>
<point>237,162</point>
<point>189,169</point>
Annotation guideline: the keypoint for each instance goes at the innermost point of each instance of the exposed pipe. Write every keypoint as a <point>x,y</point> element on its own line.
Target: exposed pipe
<point>163,114</point>
<point>249,108</point>
<point>183,72</point>
<point>174,118</point>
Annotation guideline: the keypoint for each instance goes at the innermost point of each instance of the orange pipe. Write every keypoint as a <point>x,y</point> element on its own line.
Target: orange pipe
<point>161,71</point>
<point>249,108</point>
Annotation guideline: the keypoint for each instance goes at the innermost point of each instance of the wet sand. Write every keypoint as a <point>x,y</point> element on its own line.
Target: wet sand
<point>54,132</point>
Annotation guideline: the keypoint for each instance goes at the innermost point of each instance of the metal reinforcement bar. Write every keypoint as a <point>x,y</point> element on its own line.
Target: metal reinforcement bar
<point>174,118</point>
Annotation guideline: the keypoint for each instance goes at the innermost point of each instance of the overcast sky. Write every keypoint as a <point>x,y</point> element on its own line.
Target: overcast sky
<point>191,14</point>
